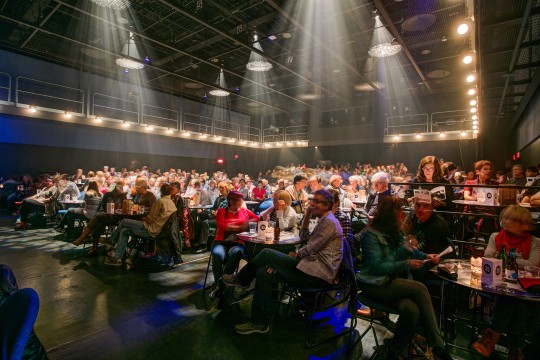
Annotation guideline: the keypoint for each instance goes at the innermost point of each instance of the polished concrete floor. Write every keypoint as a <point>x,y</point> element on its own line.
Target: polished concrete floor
<point>92,311</point>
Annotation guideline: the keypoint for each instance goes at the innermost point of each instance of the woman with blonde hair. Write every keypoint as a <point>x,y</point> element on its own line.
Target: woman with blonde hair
<point>510,314</point>
<point>281,211</point>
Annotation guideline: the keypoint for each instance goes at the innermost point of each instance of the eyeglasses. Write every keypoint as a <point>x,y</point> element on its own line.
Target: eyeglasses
<point>317,201</point>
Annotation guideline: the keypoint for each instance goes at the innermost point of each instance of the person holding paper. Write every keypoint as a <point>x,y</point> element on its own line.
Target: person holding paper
<point>510,314</point>
<point>430,171</point>
<point>384,276</point>
<point>428,232</point>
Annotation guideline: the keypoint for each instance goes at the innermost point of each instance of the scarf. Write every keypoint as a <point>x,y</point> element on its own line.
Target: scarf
<point>521,243</point>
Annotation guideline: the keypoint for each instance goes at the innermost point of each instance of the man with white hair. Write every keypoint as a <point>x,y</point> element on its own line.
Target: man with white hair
<point>379,183</point>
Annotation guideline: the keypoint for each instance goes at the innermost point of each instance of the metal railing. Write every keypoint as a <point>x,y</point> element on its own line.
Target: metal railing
<point>48,95</point>
<point>456,120</point>
<point>159,116</point>
<point>197,123</point>
<point>273,134</point>
<point>226,129</point>
<point>296,133</point>
<point>407,124</point>
<point>110,107</point>
<point>5,87</point>
<point>250,133</point>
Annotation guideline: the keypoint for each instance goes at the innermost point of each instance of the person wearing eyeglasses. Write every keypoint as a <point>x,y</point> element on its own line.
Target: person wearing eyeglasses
<point>511,315</point>
<point>314,265</point>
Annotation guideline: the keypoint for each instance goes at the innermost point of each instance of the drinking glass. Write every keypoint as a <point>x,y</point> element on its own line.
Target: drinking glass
<point>270,229</point>
<point>141,209</point>
<point>252,227</point>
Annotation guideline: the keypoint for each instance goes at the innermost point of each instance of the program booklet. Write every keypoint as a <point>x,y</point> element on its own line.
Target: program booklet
<point>438,192</point>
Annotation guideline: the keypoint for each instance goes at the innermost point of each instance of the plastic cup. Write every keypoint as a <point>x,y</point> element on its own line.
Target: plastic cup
<point>252,227</point>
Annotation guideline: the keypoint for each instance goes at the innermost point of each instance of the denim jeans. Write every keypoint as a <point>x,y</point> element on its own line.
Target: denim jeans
<point>127,228</point>
<point>221,251</point>
<point>266,294</point>
<point>413,302</point>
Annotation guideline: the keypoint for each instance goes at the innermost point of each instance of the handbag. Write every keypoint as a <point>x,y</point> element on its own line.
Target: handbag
<point>230,238</point>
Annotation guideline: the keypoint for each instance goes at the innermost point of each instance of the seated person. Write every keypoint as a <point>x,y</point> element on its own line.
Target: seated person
<point>379,182</point>
<point>42,203</point>
<point>281,212</point>
<point>384,277</point>
<point>510,314</point>
<point>428,232</point>
<point>143,197</point>
<point>314,265</point>
<point>298,193</point>
<point>315,183</point>
<point>8,285</point>
<point>259,192</point>
<point>149,226</point>
<point>92,201</point>
<point>343,218</point>
<point>227,249</point>
<point>527,194</point>
<point>101,220</point>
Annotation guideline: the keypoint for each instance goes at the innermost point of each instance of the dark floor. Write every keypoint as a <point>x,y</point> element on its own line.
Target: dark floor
<point>92,311</point>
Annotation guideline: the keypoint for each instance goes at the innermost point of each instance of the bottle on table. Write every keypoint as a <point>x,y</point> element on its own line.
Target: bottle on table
<point>277,231</point>
<point>512,267</point>
<point>502,255</point>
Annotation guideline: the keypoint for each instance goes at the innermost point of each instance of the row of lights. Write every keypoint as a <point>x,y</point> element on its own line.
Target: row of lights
<point>463,29</point>
<point>149,127</point>
<point>442,134</point>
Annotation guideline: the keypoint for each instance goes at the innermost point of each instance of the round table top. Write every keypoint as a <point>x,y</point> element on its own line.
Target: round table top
<point>200,206</point>
<point>464,279</point>
<point>71,202</point>
<point>285,238</point>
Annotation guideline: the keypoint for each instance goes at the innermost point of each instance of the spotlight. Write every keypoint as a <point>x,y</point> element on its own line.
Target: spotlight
<point>473,102</point>
<point>272,37</point>
<point>169,131</point>
<point>205,97</point>
<point>278,144</point>
<point>298,143</point>
<point>267,144</point>
<point>475,117</point>
<point>442,134</point>
<point>397,137</point>
<point>316,147</point>
<point>33,109</point>
<point>67,114</point>
<point>217,138</point>
<point>126,70</point>
<point>467,59</point>
<point>463,133</point>
<point>147,60</point>
<point>418,136</point>
<point>462,29</point>
<point>237,89</point>
<point>473,110</point>
<point>470,78</point>
<point>98,119</point>
<point>472,91</point>
<point>475,122</point>
<point>203,136</point>
<point>475,131</point>
<point>125,124</point>
<point>243,142</point>
<point>149,127</point>
<point>186,133</point>
<point>475,127</point>
<point>231,140</point>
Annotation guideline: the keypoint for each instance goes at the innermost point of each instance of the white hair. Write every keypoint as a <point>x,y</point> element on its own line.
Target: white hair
<point>380,176</point>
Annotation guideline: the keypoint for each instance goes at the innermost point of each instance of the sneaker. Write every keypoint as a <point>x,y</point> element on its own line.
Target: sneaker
<point>231,280</point>
<point>113,261</point>
<point>251,328</point>
<point>486,344</point>
<point>215,293</point>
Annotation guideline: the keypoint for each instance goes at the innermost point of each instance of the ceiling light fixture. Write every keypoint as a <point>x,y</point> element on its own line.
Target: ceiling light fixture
<point>463,133</point>
<point>471,91</point>
<point>475,131</point>
<point>67,114</point>
<point>98,119</point>
<point>397,137</point>
<point>113,4</point>
<point>473,110</point>
<point>125,124</point>
<point>170,131</point>
<point>127,61</point>
<point>257,62</point>
<point>418,136</point>
<point>467,59</point>
<point>470,78</point>
<point>442,134</point>
<point>475,122</point>
<point>33,109</point>
<point>221,83</point>
<point>384,50</point>
<point>473,102</point>
<point>475,117</point>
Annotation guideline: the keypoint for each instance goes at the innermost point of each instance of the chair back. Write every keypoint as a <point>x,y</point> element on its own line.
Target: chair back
<point>347,276</point>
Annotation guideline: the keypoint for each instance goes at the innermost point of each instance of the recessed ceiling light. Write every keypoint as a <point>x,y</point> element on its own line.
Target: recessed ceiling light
<point>337,71</point>
<point>425,52</point>
<point>462,29</point>
<point>471,91</point>
<point>215,60</point>
<point>470,78</point>
<point>286,35</point>
<point>473,102</point>
<point>467,59</point>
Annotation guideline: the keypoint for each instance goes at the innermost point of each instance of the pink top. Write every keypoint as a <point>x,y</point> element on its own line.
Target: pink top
<point>225,217</point>
<point>259,194</point>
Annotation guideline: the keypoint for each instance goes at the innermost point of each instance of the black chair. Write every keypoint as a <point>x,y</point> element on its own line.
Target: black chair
<point>343,292</point>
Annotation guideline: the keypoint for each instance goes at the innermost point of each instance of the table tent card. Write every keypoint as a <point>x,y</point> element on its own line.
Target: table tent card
<point>261,231</point>
<point>492,274</point>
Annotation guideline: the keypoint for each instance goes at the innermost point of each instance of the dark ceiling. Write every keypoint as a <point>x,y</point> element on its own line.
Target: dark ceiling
<point>319,56</point>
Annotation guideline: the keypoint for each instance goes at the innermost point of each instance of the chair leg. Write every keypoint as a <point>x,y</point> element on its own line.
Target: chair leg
<point>207,271</point>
